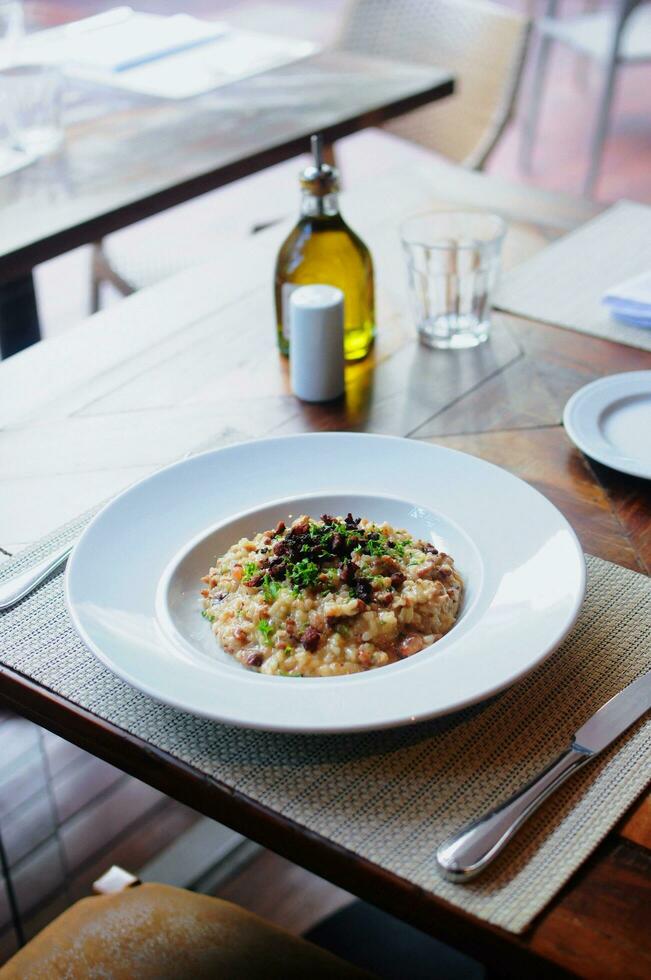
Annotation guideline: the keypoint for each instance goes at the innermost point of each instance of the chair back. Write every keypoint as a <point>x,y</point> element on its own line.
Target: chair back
<point>481,43</point>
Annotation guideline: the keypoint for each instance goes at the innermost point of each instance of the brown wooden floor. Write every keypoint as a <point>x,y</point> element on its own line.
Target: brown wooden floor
<point>65,817</point>
<point>283,893</point>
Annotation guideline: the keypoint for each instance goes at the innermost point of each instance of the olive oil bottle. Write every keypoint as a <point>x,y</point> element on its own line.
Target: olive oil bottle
<point>323,249</point>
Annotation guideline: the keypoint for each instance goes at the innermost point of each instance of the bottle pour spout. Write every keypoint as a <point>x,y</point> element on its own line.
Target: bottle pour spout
<point>316,144</point>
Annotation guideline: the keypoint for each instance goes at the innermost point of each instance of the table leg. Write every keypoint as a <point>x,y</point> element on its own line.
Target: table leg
<point>19,326</point>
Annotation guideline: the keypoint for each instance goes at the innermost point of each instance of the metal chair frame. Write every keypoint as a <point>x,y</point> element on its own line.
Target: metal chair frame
<point>623,10</point>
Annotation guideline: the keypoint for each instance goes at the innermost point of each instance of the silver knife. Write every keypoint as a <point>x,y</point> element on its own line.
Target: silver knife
<point>469,851</point>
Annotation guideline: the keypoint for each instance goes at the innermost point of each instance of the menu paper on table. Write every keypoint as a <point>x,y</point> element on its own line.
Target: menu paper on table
<point>233,55</point>
<point>171,57</point>
<point>121,39</point>
<point>564,284</point>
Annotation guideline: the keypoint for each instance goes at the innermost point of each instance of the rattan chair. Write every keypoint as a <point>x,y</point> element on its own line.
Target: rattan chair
<point>481,43</point>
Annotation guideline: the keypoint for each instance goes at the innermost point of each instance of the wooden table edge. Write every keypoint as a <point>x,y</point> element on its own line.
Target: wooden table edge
<point>22,260</point>
<point>504,951</point>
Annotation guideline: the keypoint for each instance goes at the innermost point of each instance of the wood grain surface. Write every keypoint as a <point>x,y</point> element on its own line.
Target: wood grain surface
<point>192,363</point>
<point>127,157</point>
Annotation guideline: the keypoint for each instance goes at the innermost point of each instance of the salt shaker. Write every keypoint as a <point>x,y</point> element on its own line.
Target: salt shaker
<point>316,342</point>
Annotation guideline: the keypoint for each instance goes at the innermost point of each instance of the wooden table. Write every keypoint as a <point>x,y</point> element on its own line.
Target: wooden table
<point>192,362</point>
<point>128,157</point>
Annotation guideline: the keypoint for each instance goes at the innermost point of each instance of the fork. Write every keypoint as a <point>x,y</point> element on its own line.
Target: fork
<point>19,586</point>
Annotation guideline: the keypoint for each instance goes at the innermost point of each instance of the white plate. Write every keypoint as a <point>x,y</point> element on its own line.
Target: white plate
<point>129,581</point>
<point>610,421</point>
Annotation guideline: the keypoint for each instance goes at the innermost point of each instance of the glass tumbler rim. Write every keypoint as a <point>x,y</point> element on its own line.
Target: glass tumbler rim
<point>472,242</point>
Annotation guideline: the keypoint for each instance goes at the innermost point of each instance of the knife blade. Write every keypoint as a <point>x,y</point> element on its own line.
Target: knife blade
<point>471,849</point>
<point>615,716</point>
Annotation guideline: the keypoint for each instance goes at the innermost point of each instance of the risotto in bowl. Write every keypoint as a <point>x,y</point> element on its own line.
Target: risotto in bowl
<point>330,595</point>
<point>325,585</point>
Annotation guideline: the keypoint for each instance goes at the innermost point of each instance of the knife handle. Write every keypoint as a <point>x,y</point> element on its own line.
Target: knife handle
<point>467,852</point>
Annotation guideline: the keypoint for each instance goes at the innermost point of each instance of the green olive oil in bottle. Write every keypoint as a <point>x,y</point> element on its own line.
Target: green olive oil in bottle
<point>323,249</point>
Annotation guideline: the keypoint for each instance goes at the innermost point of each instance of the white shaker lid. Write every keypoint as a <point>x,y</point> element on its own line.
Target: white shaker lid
<point>316,342</point>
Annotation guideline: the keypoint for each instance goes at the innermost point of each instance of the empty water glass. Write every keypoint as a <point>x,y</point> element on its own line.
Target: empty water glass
<point>31,98</point>
<point>453,261</point>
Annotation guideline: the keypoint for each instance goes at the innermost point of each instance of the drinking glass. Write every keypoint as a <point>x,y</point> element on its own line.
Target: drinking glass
<point>453,261</point>
<point>31,104</point>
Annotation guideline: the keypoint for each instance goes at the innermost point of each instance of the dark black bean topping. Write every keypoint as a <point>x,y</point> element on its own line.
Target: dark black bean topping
<point>280,527</point>
<point>255,660</point>
<point>397,579</point>
<point>327,519</point>
<point>280,548</point>
<point>338,544</point>
<point>255,581</point>
<point>277,568</point>
<point>310,638</point>
<point>363,589</point>
<point>347,573</point>
<point>431,549</point>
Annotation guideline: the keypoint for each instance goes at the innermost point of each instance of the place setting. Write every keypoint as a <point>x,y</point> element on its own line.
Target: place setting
<point>393,595</point>
<point>416,664</point>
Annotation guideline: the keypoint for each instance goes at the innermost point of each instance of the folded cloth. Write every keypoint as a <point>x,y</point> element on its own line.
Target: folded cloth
<point>630,301</point>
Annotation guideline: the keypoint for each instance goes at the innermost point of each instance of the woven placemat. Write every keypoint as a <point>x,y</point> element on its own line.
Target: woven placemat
<point>563,284</point>
<point>391,797</point>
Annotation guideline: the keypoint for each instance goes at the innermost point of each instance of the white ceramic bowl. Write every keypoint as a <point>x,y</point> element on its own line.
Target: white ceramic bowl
<point>130,583</point>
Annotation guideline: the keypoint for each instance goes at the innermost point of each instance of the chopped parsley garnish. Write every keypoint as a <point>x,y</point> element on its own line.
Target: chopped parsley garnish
<point>398,547</point>
<point>306,553</point>
<point>304,573</point>
<point>375,547</point>
<point>267,629</point>
<point>271,588</point>
<point>250,569</point>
